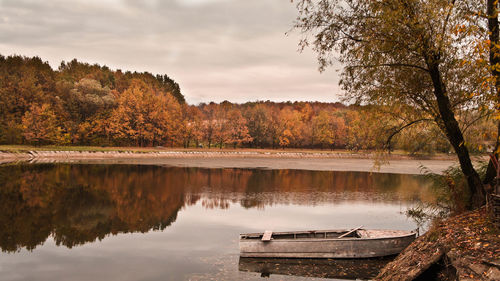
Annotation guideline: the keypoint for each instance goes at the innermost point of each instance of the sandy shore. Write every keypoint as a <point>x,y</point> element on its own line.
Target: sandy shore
<point>302,161</point>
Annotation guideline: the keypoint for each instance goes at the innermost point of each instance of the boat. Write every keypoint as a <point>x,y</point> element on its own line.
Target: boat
<point>346,244</point>
<point>351,269</point>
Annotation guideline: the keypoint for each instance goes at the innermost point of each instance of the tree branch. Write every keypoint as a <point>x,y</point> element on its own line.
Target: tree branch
<point>391,65</point>
<point>388,142</point>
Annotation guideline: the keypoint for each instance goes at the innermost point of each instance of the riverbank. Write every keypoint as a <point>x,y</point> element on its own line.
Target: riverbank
<point>246,158</point>
<point>464,247</point>
<point>225,151</point>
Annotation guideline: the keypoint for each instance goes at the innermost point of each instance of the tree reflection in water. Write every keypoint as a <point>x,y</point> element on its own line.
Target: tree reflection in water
<point>76,204</point>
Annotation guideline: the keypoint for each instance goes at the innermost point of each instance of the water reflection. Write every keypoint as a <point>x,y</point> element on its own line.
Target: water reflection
<point>169,223</point>
<point>77,204</point>
<point>322,268</point>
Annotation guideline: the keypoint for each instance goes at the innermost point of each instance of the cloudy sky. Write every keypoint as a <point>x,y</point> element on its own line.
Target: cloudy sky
<point>216,50</point>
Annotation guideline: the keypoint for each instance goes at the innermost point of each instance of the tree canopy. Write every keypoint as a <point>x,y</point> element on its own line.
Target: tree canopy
<point>422,58</point>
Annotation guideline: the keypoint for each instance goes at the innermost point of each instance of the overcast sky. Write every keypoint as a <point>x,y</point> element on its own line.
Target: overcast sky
<point>216,50</point>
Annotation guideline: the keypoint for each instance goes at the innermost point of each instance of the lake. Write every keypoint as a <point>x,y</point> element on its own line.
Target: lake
<point>140,222</point>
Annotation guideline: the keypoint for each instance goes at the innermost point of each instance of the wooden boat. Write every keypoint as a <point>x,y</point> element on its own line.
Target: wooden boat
<point>355,243</point>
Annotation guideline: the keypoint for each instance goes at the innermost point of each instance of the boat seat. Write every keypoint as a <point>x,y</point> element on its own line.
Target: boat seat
<point>267,235</point>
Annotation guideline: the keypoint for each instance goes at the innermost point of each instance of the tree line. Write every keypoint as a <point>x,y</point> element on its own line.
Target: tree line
<point>83,104</point>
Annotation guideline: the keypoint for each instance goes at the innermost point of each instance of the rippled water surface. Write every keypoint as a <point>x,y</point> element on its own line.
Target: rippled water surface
<point>131,222</point>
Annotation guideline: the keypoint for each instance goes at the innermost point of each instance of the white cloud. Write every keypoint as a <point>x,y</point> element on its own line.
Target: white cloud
<point>216,49</point>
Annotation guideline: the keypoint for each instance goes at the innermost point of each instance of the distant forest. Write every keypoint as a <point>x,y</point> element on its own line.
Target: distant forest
<point>84,104</point>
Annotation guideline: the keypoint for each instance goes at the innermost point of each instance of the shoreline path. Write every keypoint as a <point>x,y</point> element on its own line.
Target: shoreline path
<point>219,159</point>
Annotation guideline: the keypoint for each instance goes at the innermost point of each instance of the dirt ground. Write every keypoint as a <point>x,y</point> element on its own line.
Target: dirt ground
<point>316,164</point>
<point>302,161</point>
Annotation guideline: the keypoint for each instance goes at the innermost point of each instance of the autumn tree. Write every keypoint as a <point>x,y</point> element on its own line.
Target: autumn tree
<point>361,130</point>
<point>422,138</point>
<point>402,53</point>
<point>307,130</point>
<point>23,82</point>
<point>493,44</point>
<point>273,125</point>
<point>41,126</point>
<point>88,97</point>
<point>94,105</point>
<point>192,130</point>
<point>258,124</point>
<point>222,133</point>
<point>329,129</point>
<point>291,128</point>
<point>146,117</point>
<point>210,122</point>
<point>87,103</point>
<point>74,71</point>
<point>237,128</point>
<point>285,138</point>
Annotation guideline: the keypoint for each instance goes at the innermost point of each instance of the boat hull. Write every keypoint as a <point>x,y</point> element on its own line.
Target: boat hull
<point>325,248</point>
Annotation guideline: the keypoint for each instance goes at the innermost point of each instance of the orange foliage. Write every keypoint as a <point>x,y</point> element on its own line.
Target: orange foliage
<point>41,126</point>
<point>84,104</point>
<point>146,117</point>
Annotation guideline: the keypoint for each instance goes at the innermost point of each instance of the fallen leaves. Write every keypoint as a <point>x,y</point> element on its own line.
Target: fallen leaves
<point>467,240</point>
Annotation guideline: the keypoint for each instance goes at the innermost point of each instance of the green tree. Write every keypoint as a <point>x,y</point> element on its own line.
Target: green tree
<point>86,103</point>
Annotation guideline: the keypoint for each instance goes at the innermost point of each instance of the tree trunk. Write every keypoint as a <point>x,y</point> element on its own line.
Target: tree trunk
<point>452,129</point>
<point>492,13</point>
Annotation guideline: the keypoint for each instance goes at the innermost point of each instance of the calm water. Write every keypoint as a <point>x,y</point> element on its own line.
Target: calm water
<point>128,222</point>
